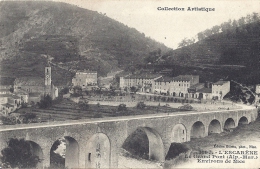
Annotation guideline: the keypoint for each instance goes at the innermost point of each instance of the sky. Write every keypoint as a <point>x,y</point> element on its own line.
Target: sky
<point>170,27</point>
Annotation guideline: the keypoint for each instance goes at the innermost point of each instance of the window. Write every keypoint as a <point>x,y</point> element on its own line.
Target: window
<point>89,157</point>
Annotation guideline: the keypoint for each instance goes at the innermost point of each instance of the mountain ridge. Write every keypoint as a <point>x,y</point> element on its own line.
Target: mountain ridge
<point>68,33</point>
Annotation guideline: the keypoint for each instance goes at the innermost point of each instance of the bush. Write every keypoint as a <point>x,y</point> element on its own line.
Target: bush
<point>98,115</point>
<point>140,105</point>
<point>64,91</point>
<point>24,105</point>
<point>121,107</point>
<point>45,102</point>
<point>28,117</point>
<point>83,105</point>
<point>7,120</point>
<point>186,107</point>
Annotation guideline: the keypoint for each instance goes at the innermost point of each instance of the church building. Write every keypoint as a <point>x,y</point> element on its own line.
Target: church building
<point>36,87</point>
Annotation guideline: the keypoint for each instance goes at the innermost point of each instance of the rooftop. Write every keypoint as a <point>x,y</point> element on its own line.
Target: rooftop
<point>34,94</point>
<point>85,71</point>
<point>10,96</point>
<point>5,95</point>
<point>4,90</point>
<point>21,91</point>
<point>164,79</point>
<point>184,77</point>
<point>197,85</point>
<point>29,81</point>
<point>221,82</point>
<point>144,76</point>
<point>205,90</point>
<point>8,105</point>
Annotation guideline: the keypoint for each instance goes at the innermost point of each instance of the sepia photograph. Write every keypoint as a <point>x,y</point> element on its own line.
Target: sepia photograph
<point>157,84</point>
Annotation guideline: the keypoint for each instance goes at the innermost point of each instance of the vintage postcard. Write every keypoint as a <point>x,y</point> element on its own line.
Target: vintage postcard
<point>129,84</point>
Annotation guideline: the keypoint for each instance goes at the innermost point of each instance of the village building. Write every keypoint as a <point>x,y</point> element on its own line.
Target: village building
<point>162,85</point>
<point>31,85</point>
<point>143,82</point>
<point>9,103</point>
<point>175,86</point>
<point>5,91</point>
<point>257,94</point>
<point>194,90</point>
<point>186,86</point>
<point>204,93</point>
<point>85,78</point>
<point>181,84</point>
<point>23,95</point>
<point>220,89</point>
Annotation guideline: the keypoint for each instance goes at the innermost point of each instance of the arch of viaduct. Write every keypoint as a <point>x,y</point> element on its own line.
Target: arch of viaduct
<point>96,143</point>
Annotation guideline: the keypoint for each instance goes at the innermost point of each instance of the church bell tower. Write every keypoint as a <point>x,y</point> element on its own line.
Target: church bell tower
<point>47,81</point>
<point>47,76</point>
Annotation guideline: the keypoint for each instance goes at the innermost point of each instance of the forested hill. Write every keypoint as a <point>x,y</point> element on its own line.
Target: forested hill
<point>234,42</point>
<point>73,37</point>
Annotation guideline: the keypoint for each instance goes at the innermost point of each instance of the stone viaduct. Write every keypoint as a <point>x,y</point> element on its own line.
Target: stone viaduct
<point>96,143</point>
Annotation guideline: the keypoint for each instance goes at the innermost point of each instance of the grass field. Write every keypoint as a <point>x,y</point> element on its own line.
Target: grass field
<point>68,110</point>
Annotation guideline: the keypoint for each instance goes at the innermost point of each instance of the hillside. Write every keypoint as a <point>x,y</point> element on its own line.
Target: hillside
<point>69,35</point>
<point>238,46</point>
<point>233,53</point>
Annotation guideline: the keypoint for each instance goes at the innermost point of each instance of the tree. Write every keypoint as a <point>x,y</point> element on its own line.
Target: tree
<point>133,89</point>
<point>248,19</point>
<point>255,17</point>
<point>121,108</point>
<point>64,91</point>
<point>234,24</point>
<point>19,154</point>
<point>215,29</point>
<point>77,91</point>
<point>226,26</point>
<point>28,117</point>
<point>84,105</point>
<point>186,42</point>
<point>207,32</point>
<point>241,21</point>
<point>11,89</point>
<point>140,105</point>
<point>45,102</point>
<point>7,120</point>
<point>201,36</point>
